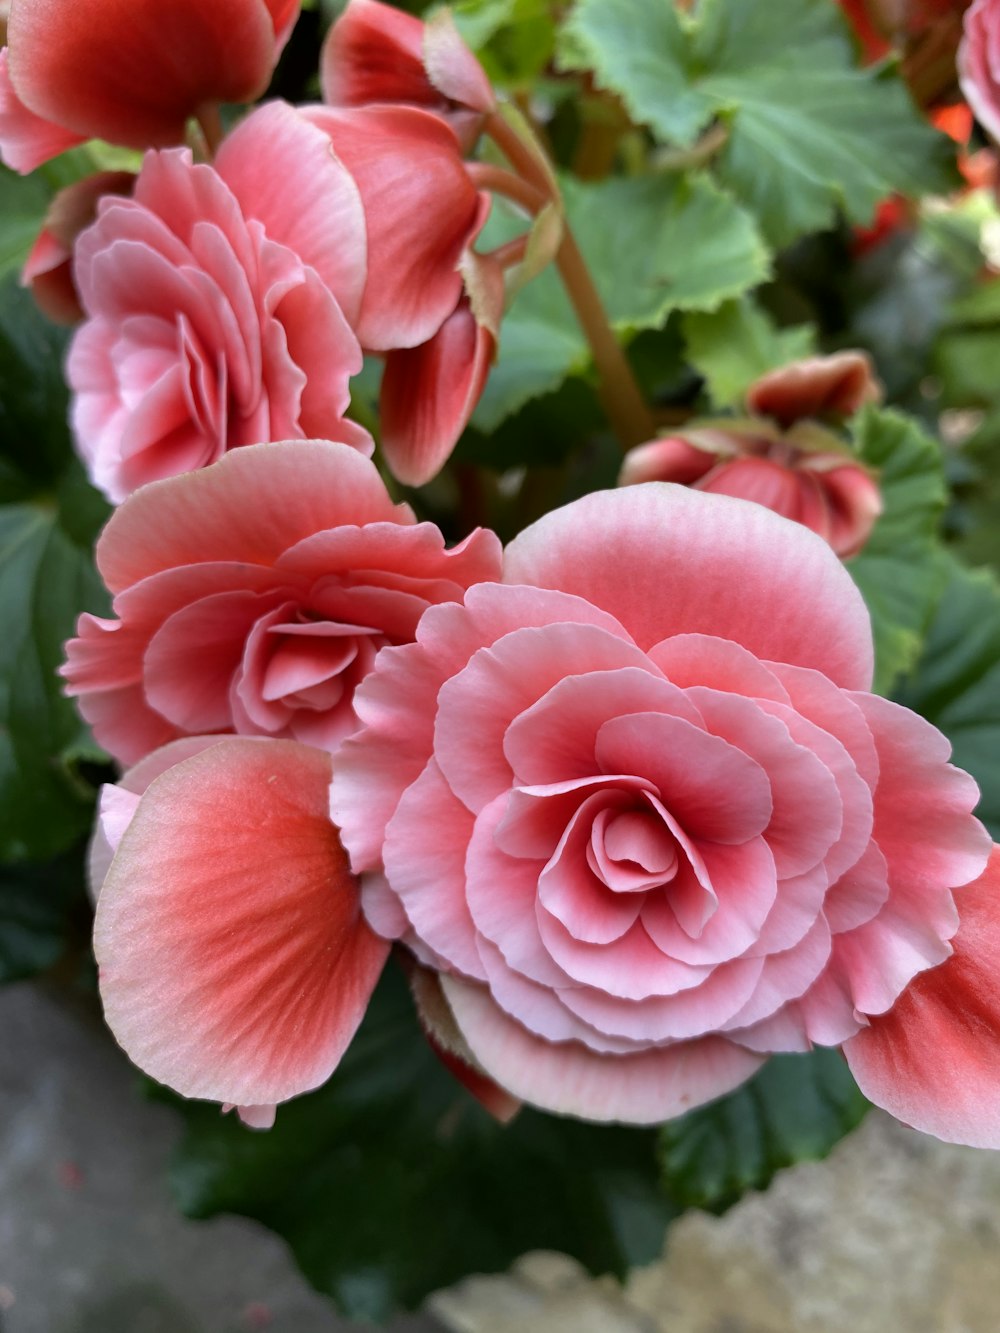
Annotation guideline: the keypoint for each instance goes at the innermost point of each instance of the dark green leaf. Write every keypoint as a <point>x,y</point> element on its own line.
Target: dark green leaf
<point>392,1181</point>
<point>898,571</point>
<point>808,132</point>
<point>23,201</point>
<point>48,518</point>
<point>38,904</point>
<point>795,1109</point>
<point>956,683</point>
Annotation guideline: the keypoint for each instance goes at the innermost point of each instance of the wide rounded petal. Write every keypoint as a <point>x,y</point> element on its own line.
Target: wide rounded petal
<point>131,71</point>
<point>27,140</point>
<point>569,1079</point>
<point>228,512</point>
<point>933,1061</point>
<point>235,963</point>
<point>667,560</point>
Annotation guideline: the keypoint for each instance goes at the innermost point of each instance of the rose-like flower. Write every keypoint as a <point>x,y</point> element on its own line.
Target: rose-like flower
<point>638,808</point>
<point>787,463</point>
<point>375,53</point>
<point>132,75</point>
<point>219,301</point>
<point>979,63</point>
<point>252,597</point>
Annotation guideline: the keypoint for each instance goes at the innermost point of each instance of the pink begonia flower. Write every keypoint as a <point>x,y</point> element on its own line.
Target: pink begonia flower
<point>235,964</point>
<point>375,53</point>
<point>48,270</point>
<point>253,595</point>
<point>638,807</point>
<point>795,467</point>
<point>979,64</point>
<point>219,301</point>
<point>129,71</point>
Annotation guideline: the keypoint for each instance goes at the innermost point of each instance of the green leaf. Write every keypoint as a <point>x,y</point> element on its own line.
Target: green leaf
<point>738,343</point>
<point>514,39</point>
<point>38,905</point>
<point>23,201</point>
<point>795,1109</point>
<point>956,683</point>
<point>899,571</point>
<point>654,244</point>
<point>809,133</point>
<point>392,1181</point>
<point>49,516</point>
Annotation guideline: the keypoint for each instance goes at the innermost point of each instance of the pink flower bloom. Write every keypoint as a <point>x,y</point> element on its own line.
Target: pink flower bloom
<point>49,268</point>
<point>979,64</point>
<point>804,474</point>
<point>218,303</point>
<point>234,961</point>
<point>375,53</point>
<point>638,808</point>
<point>252,597</point>
<point>132,75</point>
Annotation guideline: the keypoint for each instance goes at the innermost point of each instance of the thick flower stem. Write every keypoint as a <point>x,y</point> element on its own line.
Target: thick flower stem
<point>619,393</point>
<point>515,188</point>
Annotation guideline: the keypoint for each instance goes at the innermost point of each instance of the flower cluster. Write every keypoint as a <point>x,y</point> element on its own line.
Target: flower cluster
<point>619,792</point>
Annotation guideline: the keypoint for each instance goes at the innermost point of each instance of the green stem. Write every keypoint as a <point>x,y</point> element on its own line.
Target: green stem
<point>618,391</point>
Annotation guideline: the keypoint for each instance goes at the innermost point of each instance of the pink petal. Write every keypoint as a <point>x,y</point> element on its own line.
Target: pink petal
<point>933,1060</point>
<point>235,964</point>
<point>817,386</point>
<point>717,664</point>
<point>228,512</point>
<point>668,459</point>
<point>131,78</point>
<point>666,560</point>
<point>27,140</point>
<point>421,209</point>
<point>429,393</point>
<point>567,1078</point>
<point>283,173</point>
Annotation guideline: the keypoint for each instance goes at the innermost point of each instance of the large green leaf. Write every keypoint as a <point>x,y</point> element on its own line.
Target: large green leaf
<point>654,244</point>
<point>48,519</point>
<point>956,683</point>
<point>808,132</point>
<point>899,571</point>
<point>735,345</point>
<point>794,1110</point>
<point>392,1181</point>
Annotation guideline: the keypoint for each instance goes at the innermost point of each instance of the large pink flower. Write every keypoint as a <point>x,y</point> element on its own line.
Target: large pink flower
<point>252,597</point>
<point>220,301</point>
<point>130,71</point>
<point>639,809</point>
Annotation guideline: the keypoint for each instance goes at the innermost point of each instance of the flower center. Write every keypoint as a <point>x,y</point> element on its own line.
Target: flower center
<point>631,851</point>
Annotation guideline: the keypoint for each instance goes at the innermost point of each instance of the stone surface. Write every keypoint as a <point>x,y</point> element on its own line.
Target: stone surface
<point>90,1240</point>
<point>895,1233</point>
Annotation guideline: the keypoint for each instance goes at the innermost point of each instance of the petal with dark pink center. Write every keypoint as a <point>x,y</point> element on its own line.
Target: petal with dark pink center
<point>715,791</point>
<point>235,963</point>
<point>785,976</point>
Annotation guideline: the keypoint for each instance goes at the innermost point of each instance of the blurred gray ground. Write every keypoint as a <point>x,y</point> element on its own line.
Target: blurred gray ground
<point>90,1240</point>
<point>896,1233</point>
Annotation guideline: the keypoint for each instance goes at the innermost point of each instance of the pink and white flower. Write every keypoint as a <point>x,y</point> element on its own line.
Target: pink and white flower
<point>252,596</point>
<point>638,808</point>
